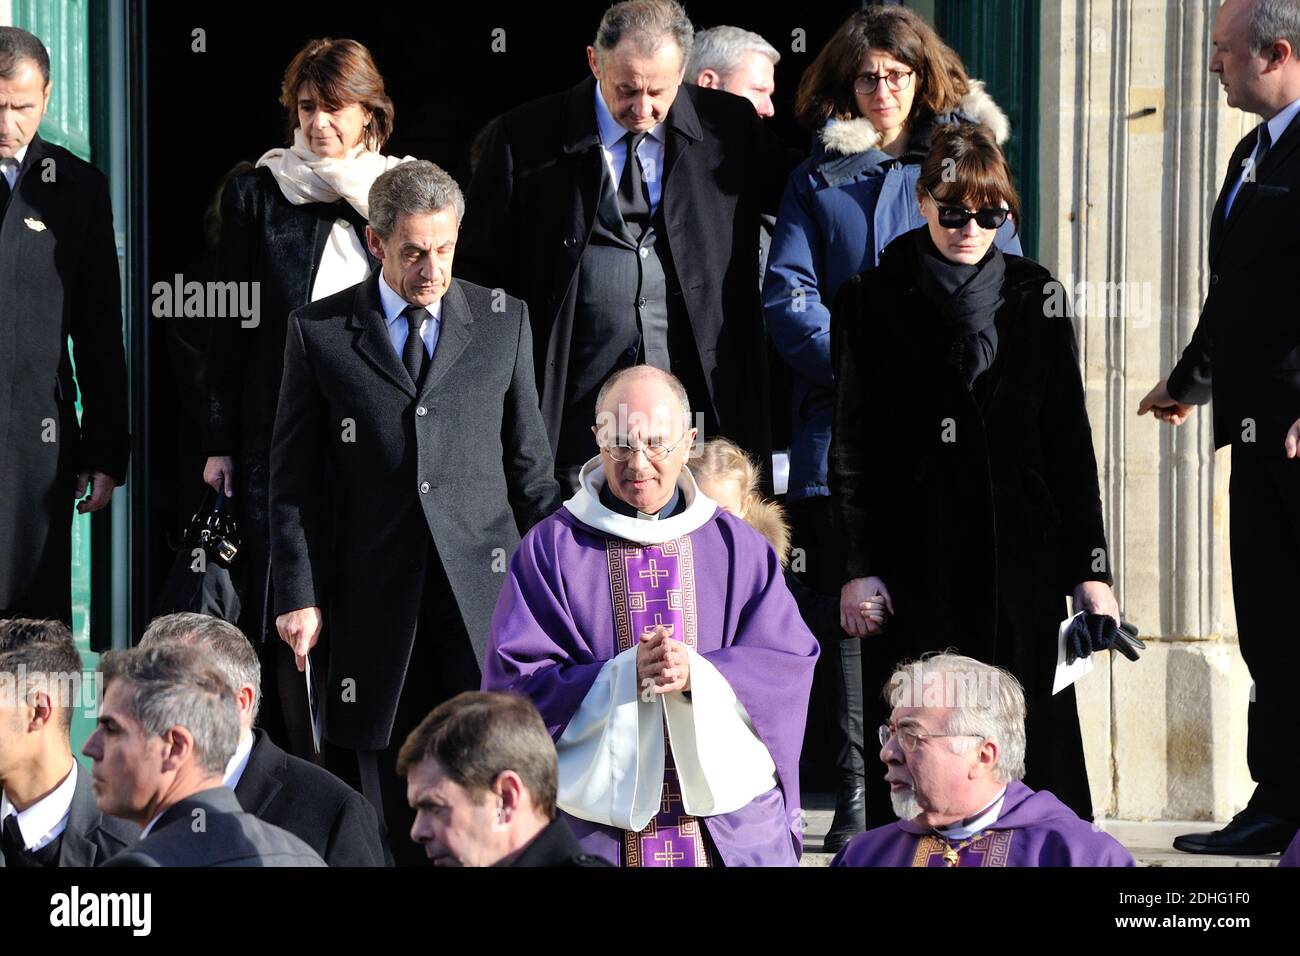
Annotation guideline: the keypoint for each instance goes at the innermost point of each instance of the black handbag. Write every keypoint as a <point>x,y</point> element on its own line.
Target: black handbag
<point>202,576</point>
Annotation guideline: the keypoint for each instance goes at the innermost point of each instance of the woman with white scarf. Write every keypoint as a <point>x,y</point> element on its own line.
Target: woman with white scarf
<point>293,227</point>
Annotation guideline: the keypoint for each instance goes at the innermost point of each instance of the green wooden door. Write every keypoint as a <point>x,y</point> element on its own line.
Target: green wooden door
<point>64,28</point>
<point>998,41</point>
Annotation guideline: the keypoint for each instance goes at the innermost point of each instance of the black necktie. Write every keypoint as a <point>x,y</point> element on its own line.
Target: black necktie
<point>17,855</point>
<point>1265,141</point>
<point>414,356</point>
<point>4,190</point>
<point>633,193</point>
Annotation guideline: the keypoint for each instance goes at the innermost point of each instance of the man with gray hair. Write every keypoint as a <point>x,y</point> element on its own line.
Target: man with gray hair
<point>954,753</point>
<point>167,727</point>
<point>408,457</point>
<point>279,788</point>
<point>738,61</point>
<point>624,211</point>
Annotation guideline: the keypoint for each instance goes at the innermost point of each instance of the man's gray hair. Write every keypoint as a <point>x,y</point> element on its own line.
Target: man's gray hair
<point>985,702</point>
<point>721,49</point>
<point>230,650</point>
<point>1272,20</point>
<point>412,188</point>
<point>649,371</point>
<point>177,686</point>
<point>648,23</point>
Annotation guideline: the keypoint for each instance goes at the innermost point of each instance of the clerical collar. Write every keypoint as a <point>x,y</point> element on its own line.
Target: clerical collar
<point>972,825</point>
<point>587,506</point>
<point>614,503</point>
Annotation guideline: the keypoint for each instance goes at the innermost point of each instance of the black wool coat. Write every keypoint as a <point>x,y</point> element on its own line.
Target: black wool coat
<point>462,462</point>
<point>58,280</point>
<point>532,206</point>
<point>979,508</point>
<point>1245,352</point>
<point>268,240</point>
<point>311,803</point>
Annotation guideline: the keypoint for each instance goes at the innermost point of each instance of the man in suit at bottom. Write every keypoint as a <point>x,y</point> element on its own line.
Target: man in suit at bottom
<point>482,773</point>
<point>294,794</point>
<point>47,811</point>
<point>414,393</point>
<point>168,725</point>
<point>1245,356</point>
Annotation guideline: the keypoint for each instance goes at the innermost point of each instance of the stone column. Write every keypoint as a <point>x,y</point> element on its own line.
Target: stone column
<point>1134,141</point>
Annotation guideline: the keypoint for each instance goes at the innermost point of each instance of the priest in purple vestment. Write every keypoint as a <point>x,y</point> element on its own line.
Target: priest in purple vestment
<point>1292,855</point>
<point>657,637</point>
<point>954,753</point>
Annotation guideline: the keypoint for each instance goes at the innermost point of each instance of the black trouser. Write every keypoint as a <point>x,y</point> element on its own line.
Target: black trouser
<point>1264,537</point>
<point>837,681</point>
<point>442,665</point>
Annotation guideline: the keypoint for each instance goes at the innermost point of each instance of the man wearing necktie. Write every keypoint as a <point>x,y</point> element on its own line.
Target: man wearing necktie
<point>1245,357</point>
<point>407,459</point>
<point>58,281</point>
<point>48,815</point>
<point>624,211</point>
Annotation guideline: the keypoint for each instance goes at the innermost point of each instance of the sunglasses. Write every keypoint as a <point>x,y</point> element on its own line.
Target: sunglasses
<point>955,217</point>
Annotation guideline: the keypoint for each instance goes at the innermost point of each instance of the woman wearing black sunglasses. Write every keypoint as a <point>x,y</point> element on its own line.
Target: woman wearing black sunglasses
<point>870,99</point>
<point>961,458</point>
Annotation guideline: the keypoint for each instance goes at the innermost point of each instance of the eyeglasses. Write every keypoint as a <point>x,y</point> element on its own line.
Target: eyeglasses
<point>955,217</point>
<point>911,739</point>
<point>655,451</point>
<point>896,80</point>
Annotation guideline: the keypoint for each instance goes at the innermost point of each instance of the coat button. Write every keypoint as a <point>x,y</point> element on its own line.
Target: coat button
<point>421,411</point>
<point>643,252</point>
<point>640,302</point>
<point>570,242</point>
<point>424,487</point>
<point>1214,279</point>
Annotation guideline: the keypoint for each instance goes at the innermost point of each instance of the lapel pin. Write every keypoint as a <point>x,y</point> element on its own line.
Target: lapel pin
<point>35,225</point>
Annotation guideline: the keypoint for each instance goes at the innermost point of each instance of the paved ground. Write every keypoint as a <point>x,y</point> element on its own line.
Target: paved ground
<point>1150,843</point>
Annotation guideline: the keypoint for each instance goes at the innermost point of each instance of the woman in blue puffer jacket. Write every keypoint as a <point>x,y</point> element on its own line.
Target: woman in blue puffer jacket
<point>872,96</point>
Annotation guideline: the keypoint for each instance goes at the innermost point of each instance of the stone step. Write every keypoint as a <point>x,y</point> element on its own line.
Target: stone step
<point>1150,842</point>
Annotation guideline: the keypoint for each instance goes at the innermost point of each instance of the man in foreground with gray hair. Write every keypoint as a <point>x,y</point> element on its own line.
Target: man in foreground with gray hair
<point>954,749</point>
<point>167,726</point>
<point>737,61</point>
<point>279,788</point>
<point>412,393</point>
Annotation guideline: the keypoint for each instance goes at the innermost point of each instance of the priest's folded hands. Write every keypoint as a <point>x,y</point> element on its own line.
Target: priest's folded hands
<point>662,664</point>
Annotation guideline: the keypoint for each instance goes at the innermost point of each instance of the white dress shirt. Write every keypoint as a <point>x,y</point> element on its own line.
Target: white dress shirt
<point>238,761</point>
<point>393,304</point>
<point>1276,127</point>
<point>651,150</point>
<point>45,820</point>
<point>10,168</point>
<point>965,829</point>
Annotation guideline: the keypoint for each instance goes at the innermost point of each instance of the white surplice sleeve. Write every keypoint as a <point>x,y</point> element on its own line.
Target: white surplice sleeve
<point>611,754</point>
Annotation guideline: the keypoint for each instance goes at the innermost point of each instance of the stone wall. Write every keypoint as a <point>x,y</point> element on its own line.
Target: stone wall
<point>1135,136</point>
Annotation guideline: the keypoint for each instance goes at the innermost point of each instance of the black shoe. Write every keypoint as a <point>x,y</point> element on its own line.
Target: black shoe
<point>1250,833</point>
<point>850,817</point>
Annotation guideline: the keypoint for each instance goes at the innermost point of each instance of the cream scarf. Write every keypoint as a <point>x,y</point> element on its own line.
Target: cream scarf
<point>305,177</point>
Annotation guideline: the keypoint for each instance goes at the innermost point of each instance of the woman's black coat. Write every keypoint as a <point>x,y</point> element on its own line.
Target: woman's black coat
<point>978,507</point>
<point>268,240</point>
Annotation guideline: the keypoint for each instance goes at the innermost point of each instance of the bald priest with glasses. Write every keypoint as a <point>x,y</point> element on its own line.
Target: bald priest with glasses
<point>656,636</point>
<point>954,755</point>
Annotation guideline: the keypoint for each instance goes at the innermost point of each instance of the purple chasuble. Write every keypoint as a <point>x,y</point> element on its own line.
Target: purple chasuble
<point>652,585</point>
<point>1033,829</point>
<point>1292,855</point>
<point>575,596</point>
